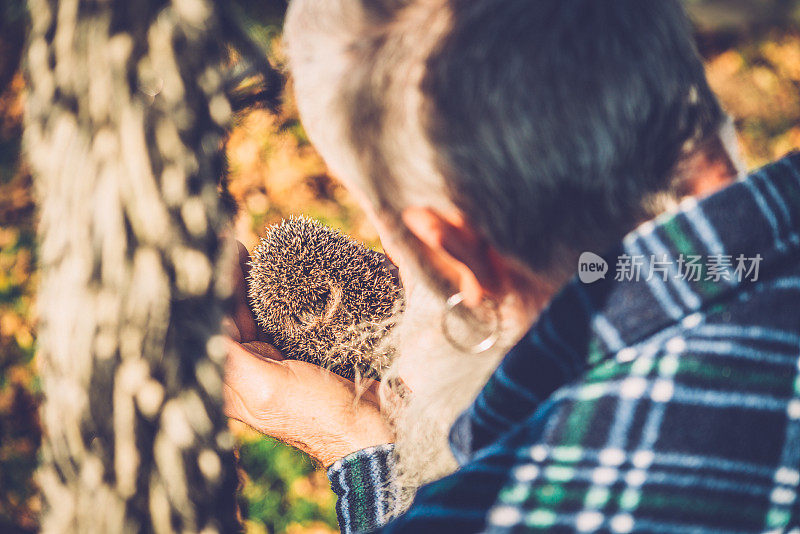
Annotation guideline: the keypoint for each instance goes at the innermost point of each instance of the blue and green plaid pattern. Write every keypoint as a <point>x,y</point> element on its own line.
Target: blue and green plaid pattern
<point>362,482</point>
<point>668,404</point>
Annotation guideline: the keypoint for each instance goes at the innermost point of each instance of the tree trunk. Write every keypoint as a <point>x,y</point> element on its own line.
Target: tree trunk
<point>125,118</point>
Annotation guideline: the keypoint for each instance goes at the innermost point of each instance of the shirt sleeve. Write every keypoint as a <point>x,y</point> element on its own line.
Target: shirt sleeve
<point>461,501</point>
<point>362,484</point>
<point>457,503</point>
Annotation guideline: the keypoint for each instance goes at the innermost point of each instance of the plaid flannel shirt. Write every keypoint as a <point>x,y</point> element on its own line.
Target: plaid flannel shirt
<point>668,404</point>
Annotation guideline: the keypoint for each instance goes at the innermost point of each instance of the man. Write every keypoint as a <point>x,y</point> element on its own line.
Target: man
<point>506,151</point>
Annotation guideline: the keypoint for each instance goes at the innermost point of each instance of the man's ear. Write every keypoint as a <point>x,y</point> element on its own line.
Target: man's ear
<point>457,251</point>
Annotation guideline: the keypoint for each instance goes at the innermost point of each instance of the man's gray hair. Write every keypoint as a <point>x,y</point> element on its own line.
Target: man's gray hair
<point>551,124</point>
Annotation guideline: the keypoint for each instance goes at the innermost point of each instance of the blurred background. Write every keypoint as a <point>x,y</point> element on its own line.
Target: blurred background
<point>752,54</point>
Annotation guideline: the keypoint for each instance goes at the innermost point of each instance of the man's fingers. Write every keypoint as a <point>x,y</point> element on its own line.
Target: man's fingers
<point>233,405</point>
<point>263,350</point>
<point>299,403</point>
<point>231,330</point>
<point>251,376</point>
<point>244,360</point>
<point>257,386</point>
<point>368,386</point>
<point>244,258</point>
<point>242,315</point>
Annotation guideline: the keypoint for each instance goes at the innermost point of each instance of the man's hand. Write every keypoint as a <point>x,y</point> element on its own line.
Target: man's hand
<point>241,326</point>
<point>296,402</point>
<point>300,403</point>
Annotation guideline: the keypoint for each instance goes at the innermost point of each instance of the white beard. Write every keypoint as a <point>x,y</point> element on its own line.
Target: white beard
<point>437,383</point>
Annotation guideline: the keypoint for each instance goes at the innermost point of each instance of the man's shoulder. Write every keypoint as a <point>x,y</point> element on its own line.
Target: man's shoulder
<point>699,422</point>
<point>731,370</point>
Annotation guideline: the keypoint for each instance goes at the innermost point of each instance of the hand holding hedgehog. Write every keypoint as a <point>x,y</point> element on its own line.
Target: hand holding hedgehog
<point>296,401</point>
<point>322,297</point>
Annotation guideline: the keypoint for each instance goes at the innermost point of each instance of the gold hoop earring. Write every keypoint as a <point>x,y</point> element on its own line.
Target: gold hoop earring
<point>490,341</point>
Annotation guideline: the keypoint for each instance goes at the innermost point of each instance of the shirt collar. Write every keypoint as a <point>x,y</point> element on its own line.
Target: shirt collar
<point>686,260</point>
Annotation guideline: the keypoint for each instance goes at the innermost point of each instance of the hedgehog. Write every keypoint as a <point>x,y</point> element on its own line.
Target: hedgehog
<point>322,297</point>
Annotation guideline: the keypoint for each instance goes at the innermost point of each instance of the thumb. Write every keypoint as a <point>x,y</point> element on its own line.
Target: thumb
<point>250,383</point>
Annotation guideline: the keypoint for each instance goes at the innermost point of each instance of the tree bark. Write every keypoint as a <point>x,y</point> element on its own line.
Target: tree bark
<point>125,120</point>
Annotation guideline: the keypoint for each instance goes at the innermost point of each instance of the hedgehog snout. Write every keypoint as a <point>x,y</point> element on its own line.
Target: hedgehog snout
<point>321,308</point>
